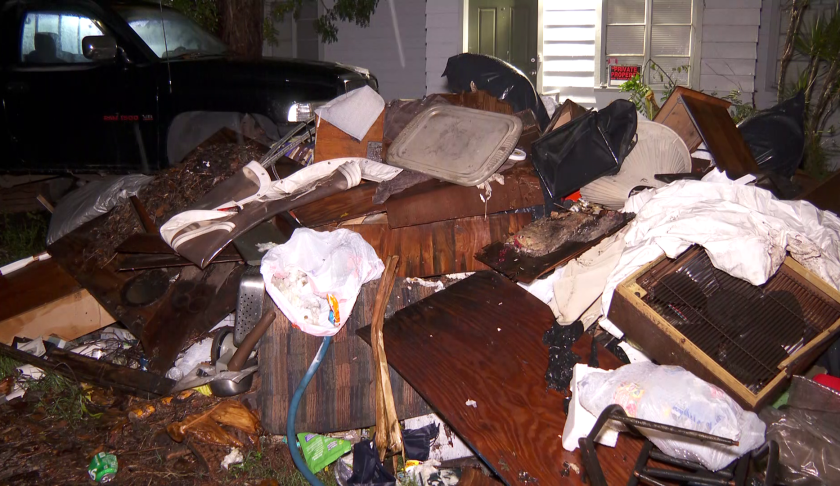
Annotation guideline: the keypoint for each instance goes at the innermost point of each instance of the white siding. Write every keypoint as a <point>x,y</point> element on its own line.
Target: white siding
<point>375,48</point>
<point>444,39</point>
<point>568,49</point>
<point>728,50</point>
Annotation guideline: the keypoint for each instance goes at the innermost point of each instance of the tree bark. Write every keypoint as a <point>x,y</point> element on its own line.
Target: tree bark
<point>796,9</point>
<point>241,26</point>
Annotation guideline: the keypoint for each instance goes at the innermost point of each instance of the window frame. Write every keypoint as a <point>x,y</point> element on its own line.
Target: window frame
<point>694,50</point>
<point>58,10</point>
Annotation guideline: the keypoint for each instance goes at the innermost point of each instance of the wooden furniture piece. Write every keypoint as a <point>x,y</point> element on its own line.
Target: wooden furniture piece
<point>697,118</point>
<point>565,113</point>
<point>676,325</point>
<point>825,196</point>
<point>481,340</point>
<point>332,143</point>
<point>341,395</point>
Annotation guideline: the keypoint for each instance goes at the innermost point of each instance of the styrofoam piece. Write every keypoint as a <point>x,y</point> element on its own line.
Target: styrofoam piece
<point>34,347</point>
<point>633,354</point>
<point>448,446</point>
<point>579,421</point>
<point>11,267</point>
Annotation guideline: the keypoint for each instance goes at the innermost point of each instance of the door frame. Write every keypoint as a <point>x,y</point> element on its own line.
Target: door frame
<point>465,31</point>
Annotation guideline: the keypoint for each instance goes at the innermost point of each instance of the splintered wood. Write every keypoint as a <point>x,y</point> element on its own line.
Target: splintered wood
<point>388,434</point>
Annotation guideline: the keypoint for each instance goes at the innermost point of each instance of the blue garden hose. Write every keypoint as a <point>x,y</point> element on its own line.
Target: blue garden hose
<point>291,436</point>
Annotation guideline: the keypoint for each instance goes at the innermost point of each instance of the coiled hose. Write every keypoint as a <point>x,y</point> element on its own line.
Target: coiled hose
<point>291,436</point>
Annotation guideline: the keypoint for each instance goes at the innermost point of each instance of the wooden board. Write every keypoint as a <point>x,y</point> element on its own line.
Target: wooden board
<point>722,138</point>
<point>341,395</point>
<point>69,317</point>
<point>32,286</point>
<point>343,206</point>
<point>675,116</point>
<point>826,196</point>
<point>332,143</point>
<point>522,267</point>
<point>434,200</point>
<point>481,339</point>
<point>439,248</point>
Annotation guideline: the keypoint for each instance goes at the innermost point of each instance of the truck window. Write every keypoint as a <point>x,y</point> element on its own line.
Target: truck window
<point>170,34</point>
<point>55,37</point>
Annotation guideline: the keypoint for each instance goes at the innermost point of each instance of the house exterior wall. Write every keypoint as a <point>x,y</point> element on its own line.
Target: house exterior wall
<point>375,48</point>
<point>444,39</point>
<point>728,49</point>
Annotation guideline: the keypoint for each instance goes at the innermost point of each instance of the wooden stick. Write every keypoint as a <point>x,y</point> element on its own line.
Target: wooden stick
<point>388,434</point>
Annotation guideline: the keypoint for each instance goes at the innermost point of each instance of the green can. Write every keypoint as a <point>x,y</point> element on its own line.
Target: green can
<point>103,467</point>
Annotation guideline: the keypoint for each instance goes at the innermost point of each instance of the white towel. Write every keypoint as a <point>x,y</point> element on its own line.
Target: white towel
<point>355,112</point>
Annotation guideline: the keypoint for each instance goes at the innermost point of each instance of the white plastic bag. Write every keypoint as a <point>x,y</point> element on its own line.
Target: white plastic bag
<point>315,277</point>
<point>673,396</point>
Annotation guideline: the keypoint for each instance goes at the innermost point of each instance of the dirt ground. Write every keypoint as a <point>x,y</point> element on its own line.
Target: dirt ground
<point>50,435</point>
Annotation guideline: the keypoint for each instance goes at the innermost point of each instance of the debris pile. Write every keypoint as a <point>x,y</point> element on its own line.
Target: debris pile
<point>477,256</point>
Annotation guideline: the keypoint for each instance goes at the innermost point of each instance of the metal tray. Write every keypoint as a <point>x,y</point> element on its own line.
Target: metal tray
<point>456,144</point>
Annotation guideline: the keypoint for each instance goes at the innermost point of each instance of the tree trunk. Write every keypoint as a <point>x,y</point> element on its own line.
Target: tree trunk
<point>241,26</point>
<point>819,109</point>
<point>813,71</point>
<point>796,9</point>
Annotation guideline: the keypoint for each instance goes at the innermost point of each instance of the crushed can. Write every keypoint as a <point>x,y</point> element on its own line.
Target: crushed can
<point>103,467</point>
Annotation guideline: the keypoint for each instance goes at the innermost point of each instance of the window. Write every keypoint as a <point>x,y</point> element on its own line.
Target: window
<point>642,32</point>
<point>55,37</point>
<point>170,34</point>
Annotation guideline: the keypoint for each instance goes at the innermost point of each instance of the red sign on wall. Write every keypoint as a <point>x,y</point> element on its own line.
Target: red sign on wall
<point>623,73</point>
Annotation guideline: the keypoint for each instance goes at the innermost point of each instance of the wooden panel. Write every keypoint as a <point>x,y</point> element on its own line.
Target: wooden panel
<point>826,196</point>
<point>439,201</point>
<point>438,248</point>
<point>70,317</point>
<point>34,285</point>
<point>341,396</point>
<point>675,116</point>
<point>343,206</point>
<point>721,137</point>
<point>332,143</point>
<point>481,339</point>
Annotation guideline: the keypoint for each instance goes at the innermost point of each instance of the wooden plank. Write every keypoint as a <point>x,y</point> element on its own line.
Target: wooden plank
<point>674,115</point>
<point>343,206</point>
<point>69,317</point>
<point>481,339</point>
<point>341,394</point>
<point>825,196</point>
<point>437,248</point>
<point>434,200</point>
<point>100,373</point>
<point>722,138</point>
<point>332,143</point>
<point>32,286</point>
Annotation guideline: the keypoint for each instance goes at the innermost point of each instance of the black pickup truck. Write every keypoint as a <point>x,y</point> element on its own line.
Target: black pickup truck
<point>96,86</point>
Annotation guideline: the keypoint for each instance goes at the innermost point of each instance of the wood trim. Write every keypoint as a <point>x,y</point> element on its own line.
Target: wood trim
<point>813,279</point>
<point>695,51</point>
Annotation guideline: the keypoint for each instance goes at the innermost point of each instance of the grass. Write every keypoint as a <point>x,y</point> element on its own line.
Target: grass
<point>22,235</point>
<point>261,466</point>
<point>59,397</point>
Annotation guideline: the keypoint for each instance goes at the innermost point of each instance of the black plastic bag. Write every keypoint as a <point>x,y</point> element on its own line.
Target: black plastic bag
<point>417,442</point>
<point>497,77</point>
<point>776,136</point>
<point>590,146</point>
<point>367,469</point>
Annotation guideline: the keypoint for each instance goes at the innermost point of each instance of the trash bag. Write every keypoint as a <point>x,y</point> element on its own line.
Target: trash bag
<point>673,396</point>
<point>367,469</point>
<point>315,277</point>
<point>417,442</point>
<point>91,200</point>
<point>590,146</point>
<point>776,136</point>
<point>497,77</point>
<point>808,433</point>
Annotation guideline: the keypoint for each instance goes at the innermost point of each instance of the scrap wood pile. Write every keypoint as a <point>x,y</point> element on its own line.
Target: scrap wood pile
<point>549,273</point>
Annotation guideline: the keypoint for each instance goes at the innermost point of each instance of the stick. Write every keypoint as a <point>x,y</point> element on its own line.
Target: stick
<point>388,434</point>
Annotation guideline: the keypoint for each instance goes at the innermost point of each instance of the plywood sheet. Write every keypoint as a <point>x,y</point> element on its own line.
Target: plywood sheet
<point>481,339</point>
<point>341,396</point>
<point>32,286</point>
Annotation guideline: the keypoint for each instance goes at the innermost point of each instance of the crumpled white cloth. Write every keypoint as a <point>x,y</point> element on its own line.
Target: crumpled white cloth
<point>745,230</point>
<point>584,278</point>
<point>355,112</point>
